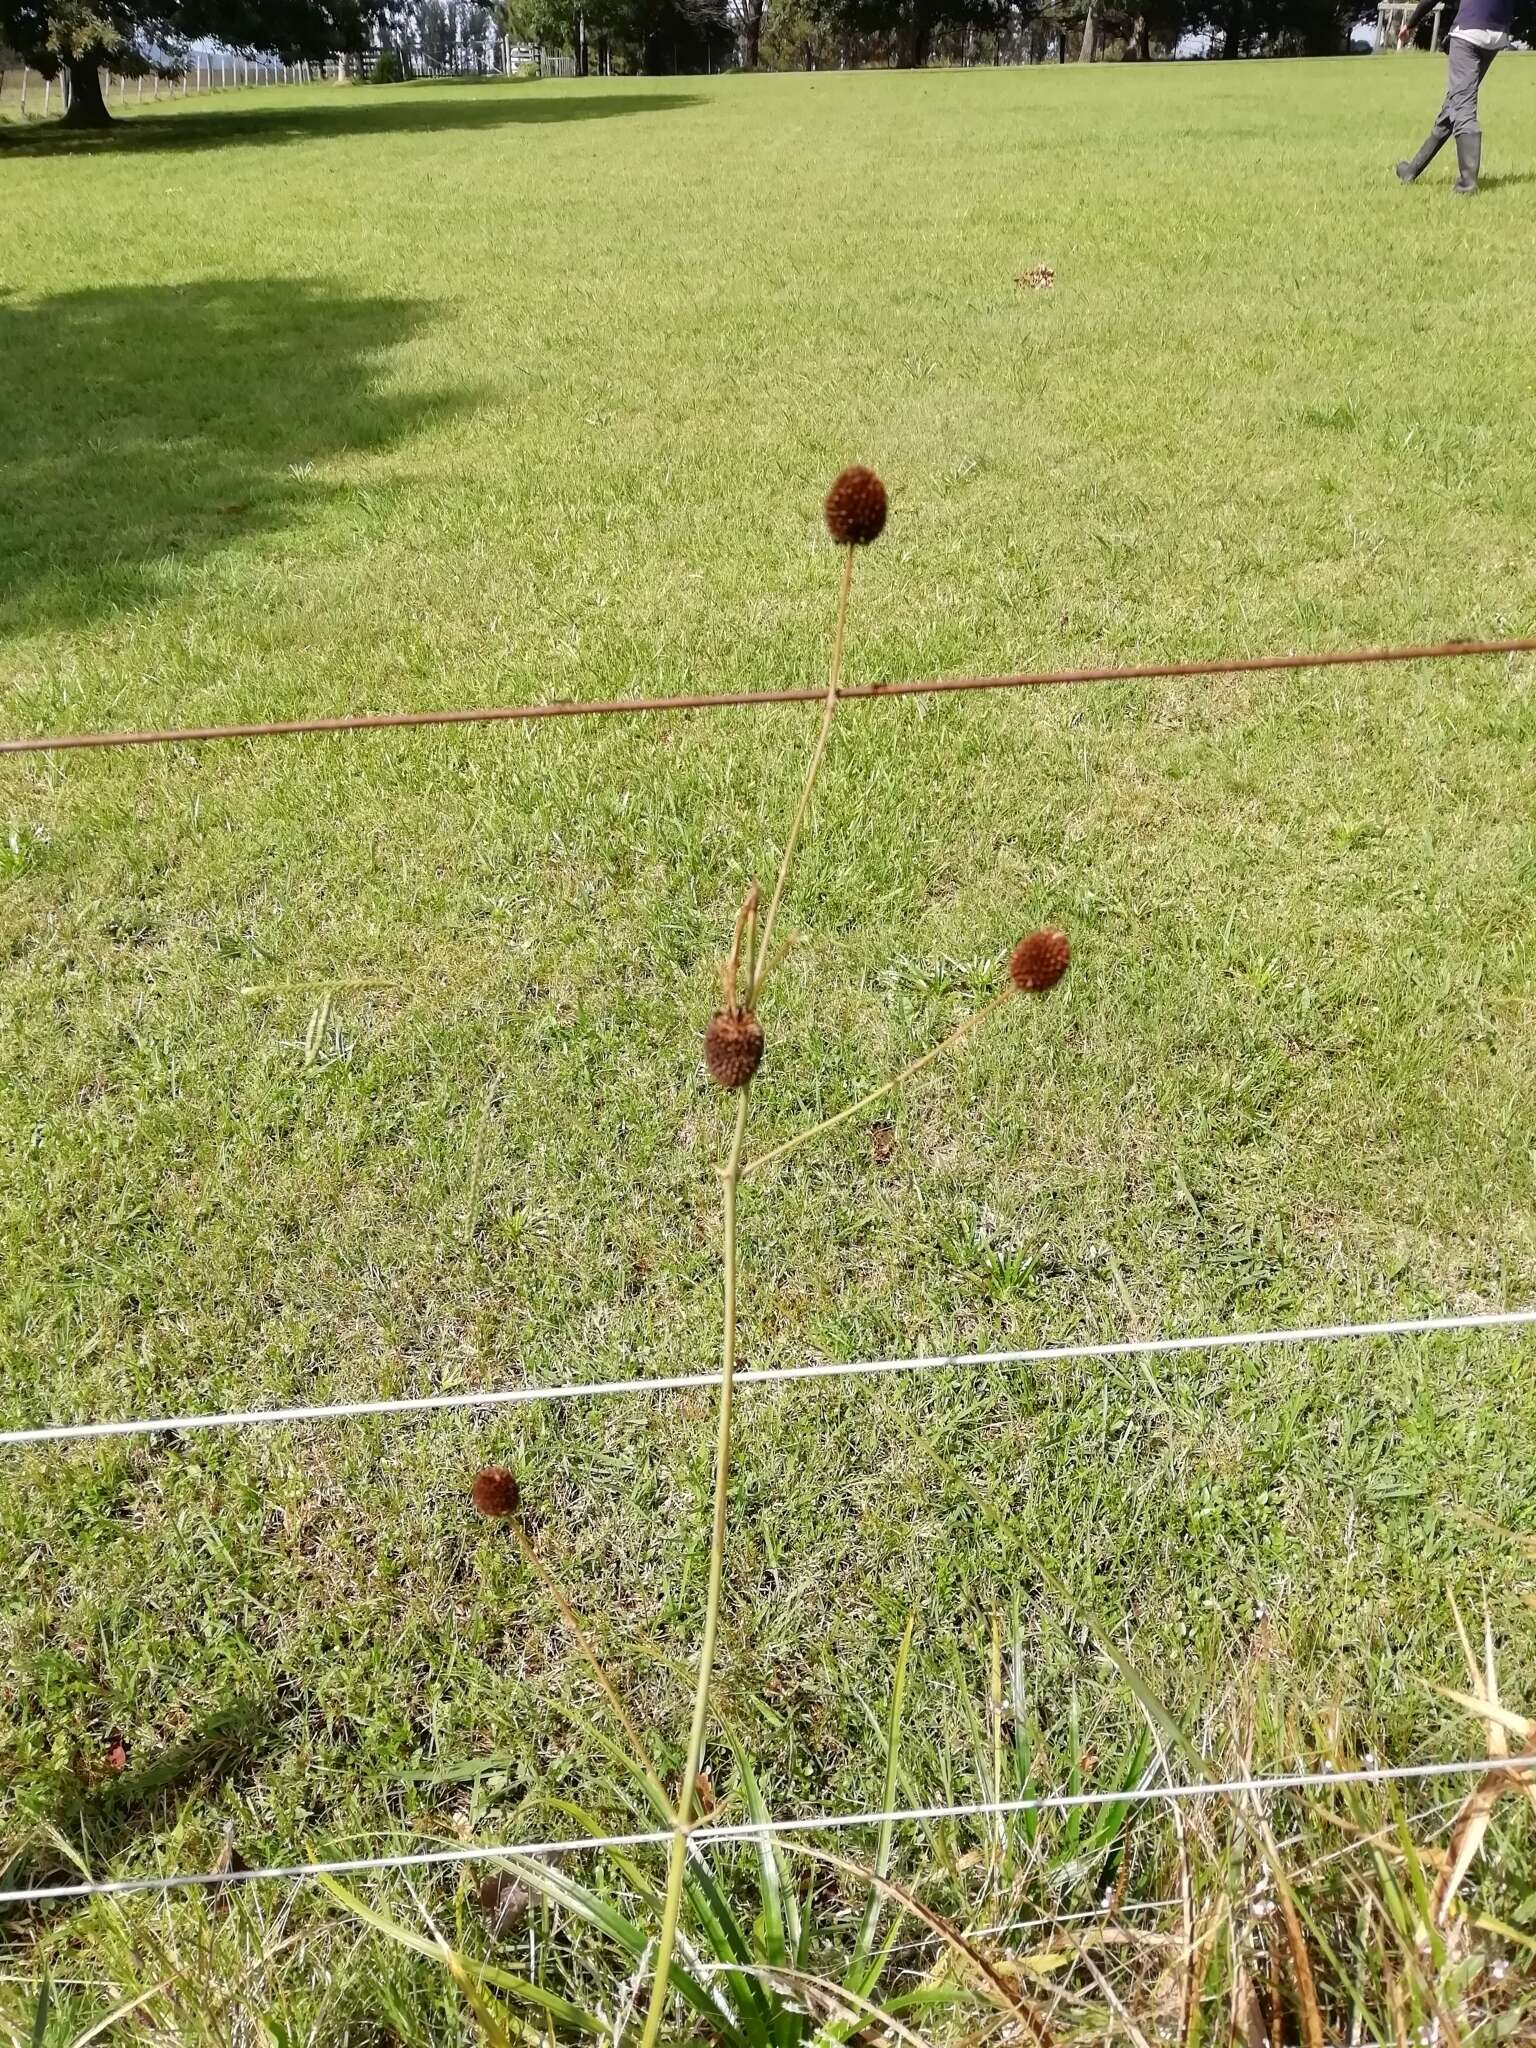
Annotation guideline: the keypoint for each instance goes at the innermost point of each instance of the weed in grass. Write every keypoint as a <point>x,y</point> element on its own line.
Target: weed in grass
<point>1295,1078</point>
<point>855,513</point>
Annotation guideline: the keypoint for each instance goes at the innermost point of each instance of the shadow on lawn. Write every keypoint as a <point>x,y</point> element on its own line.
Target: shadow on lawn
<point>417,110</point>
<point>145,426</point>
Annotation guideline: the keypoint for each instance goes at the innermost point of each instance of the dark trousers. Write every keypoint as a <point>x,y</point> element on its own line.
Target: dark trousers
<point>1468,68</point>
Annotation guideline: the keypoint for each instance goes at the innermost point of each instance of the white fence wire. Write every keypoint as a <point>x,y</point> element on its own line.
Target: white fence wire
<point>726,1832</point>
<point>736,1832</point>
<point>594,1390</point>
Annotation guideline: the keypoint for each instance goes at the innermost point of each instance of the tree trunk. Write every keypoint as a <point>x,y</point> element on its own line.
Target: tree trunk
<point>1090,35</point>
<point>1140,45</point>
<point>87,108</point>
<point>915,43</point>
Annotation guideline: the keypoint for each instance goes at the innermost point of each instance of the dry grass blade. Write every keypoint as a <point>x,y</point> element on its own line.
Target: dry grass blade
<point>1113,1999</point>
<point>731,973</point>
<point>1189,1986</point>
<point>1397,2001</point>
<point>1475,1815</point>
<point>837,2001</point>
<point>1304,1979</point>
<point>1200,1963</point>
<point>1247,2023</point>
<point>1468,1832</point>
<point>1499,1721</point>
<point>995,1984</point>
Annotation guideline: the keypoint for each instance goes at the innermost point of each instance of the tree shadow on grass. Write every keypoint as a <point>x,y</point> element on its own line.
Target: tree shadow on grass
<point>147,426</point>
<point>412,110</point>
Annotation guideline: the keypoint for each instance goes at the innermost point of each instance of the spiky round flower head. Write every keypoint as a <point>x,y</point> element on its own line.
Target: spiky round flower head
<point>1039,962</point>
<point>733,1046</point>
<point>495,1492</point>
<point>855,508</point>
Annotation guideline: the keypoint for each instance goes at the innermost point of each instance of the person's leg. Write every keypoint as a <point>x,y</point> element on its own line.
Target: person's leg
<point>1440,134</point>
<point>1472,69</point>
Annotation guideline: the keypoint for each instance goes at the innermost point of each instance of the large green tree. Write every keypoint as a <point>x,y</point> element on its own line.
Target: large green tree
<point>83,37</point>
<point>634,35</point>
<point>902,32</point>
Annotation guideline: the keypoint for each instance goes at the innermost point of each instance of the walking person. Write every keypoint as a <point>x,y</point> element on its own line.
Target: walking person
<point>1482,30</point>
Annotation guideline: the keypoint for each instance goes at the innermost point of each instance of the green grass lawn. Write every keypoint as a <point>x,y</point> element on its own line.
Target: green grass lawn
<point>440,396</point>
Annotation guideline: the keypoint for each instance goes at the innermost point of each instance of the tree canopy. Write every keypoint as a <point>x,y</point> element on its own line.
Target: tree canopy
<point>83,36</point>
<point>638,35</point>
<point>666,35</point>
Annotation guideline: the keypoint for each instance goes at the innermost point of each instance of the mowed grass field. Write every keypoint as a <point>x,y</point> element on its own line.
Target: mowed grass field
<point>370,1065</point>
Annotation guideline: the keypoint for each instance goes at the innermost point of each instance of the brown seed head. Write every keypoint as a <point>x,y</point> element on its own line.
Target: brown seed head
<point>733,1047</point>
<point>495,1492</point>
<point>855,508</point>
<point>1039,962</point>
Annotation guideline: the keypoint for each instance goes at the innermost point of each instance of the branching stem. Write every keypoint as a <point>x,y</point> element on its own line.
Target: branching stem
<point>830,1123</point>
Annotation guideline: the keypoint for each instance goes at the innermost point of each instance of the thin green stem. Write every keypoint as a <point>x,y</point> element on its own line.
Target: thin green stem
<point>730,1177</point>
<point>830,1123</point>
<point>608,1689</point>
<point>834,678</point>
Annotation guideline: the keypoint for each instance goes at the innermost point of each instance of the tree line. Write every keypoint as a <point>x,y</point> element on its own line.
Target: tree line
<point>645,35</point>
<point>83,36</point>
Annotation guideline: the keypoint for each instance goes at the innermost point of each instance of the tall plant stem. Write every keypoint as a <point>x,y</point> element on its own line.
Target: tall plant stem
<point>926,1060</point>
<point>730,1178</point>
<point>834,678</point>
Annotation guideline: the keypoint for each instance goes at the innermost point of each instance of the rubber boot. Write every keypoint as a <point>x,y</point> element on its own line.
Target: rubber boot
<point>1428,150</point>
<point>1469,158</point>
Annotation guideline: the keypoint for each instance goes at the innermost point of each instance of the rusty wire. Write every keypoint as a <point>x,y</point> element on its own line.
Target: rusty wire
<point>720,700</point>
